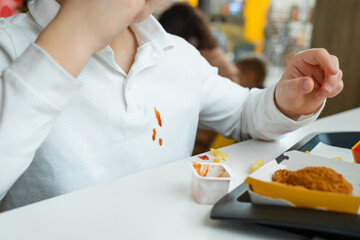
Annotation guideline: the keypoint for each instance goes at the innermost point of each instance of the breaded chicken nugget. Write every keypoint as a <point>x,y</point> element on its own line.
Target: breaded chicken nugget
<point>281,175</point>
<point>315,178</point>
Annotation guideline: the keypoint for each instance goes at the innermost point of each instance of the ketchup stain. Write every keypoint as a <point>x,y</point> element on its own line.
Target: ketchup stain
<point>154,134</point>
<point>158,117</point>
<point>203,157</point>
<point>202,171</point>
<point>222,173</point>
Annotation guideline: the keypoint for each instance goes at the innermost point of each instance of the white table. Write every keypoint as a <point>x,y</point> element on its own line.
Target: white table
<point>156,204</point>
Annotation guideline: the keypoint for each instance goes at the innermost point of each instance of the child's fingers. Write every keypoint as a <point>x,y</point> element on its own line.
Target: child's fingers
<point>295,97</point>
<point>330,84</point>
<point>338,89</point>
<point>298,86</point>
<point>318,75</point>
<point>322,58</point>
<point>307,84</point>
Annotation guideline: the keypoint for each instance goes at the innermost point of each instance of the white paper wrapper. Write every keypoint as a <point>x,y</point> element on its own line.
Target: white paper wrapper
<point>328,151</point>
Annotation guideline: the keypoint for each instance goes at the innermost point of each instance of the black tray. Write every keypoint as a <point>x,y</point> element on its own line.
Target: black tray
<point>237,206</point>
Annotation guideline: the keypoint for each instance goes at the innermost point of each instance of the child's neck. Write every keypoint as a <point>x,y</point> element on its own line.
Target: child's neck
<point>125,47</point>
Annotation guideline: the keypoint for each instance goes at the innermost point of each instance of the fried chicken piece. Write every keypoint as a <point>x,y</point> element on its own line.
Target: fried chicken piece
<point>314,178</point>
<point>281,175</point>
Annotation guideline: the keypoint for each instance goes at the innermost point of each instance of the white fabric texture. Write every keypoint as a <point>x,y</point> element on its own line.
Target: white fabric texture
<point>59,134</point>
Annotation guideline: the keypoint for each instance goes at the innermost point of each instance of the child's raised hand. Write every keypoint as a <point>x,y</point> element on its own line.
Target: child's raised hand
<point>100,21</point>
<point>311,77</point>
<point>83,27</point>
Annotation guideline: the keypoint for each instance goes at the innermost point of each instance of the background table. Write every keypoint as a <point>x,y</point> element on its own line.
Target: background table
<point>157,204</point>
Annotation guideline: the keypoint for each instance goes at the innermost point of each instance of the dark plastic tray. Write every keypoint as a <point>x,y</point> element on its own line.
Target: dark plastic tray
<point>237,206</point>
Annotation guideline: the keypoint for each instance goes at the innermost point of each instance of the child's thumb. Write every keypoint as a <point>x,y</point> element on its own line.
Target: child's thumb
<point>301,85</point>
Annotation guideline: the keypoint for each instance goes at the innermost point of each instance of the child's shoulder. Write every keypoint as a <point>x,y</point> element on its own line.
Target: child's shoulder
<point>179,41</point>
<point>182,45</point>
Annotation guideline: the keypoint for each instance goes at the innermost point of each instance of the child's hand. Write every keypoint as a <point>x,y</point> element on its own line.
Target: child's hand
<point>83,27</point>
<point>100,21</point>
<point>310,78</point>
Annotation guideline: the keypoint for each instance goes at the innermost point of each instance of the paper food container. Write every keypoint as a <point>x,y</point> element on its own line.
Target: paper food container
<point>209,181</point>
<point>263,191</point>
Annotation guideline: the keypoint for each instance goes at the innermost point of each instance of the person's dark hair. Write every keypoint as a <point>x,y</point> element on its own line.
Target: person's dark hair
<point>255,65</point>
<point>190,23</point>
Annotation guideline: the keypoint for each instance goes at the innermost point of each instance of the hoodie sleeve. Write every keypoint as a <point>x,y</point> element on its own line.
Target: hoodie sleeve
<point>34,90</point>
<point>240,113</point>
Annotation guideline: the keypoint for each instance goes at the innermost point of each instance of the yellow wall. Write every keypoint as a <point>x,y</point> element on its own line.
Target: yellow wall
<point>255,13</point>
<point>193,3</point>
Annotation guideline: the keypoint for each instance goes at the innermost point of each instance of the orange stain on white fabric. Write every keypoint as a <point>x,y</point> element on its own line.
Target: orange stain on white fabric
<point>158,118</point>
<point>154,134</point>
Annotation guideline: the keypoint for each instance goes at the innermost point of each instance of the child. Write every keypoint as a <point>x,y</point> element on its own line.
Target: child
<point>183,20</point>
<point>96,90</point>
<point>252,72</point>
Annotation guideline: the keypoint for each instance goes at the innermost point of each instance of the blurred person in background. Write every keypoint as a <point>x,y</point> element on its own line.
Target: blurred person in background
<point>252,75</point>
<point>295,30</point>
<point>252,72</point>
<point>190,23</point>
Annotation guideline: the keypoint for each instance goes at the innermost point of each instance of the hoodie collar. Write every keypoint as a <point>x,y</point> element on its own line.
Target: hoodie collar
<point>43,11</point>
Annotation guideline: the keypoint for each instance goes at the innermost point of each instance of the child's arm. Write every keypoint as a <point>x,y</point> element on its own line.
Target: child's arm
<point>35,90</point>
<point>310,78</point>
<point>83,27</point>
<point>239,113</point>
